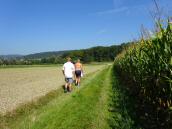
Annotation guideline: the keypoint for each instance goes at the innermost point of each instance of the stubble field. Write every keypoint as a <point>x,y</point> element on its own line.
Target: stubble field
<point>21,85</point>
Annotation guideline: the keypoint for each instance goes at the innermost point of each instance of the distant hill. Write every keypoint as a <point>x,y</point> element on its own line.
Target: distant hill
<point>35,55</point>
<point>45,54</point>
<point>9,57</point>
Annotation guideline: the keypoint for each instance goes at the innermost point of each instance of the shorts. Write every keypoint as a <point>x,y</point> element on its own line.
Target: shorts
<point>69,80</point>
<point>78,73</point>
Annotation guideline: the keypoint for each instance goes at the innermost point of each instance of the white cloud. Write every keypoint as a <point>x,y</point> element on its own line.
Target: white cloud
<point>113,11</point>
<point>120,7</point>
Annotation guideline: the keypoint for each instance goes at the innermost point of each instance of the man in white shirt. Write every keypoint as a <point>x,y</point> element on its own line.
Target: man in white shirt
<point>68,71</point>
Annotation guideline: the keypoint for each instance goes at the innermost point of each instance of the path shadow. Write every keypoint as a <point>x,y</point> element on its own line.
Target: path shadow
<point>121,106</point>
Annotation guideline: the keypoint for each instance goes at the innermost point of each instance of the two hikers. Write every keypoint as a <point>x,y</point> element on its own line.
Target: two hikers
<point>70,71</point>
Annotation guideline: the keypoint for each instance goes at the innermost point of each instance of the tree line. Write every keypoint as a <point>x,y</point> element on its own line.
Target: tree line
<point>95,54</point>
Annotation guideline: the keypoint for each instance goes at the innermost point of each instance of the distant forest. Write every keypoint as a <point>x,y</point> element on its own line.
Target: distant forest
<point>95,54</point>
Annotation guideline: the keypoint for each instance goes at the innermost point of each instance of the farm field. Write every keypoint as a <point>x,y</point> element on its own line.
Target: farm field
<point>21,85</point>
<point>97,104</point>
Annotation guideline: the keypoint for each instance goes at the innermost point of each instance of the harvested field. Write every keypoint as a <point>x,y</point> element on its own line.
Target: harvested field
<point>21,85</point>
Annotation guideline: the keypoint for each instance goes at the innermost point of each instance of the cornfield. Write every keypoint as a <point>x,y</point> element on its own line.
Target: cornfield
<point>146,66</point>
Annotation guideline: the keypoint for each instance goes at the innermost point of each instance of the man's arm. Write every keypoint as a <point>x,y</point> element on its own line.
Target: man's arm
<point>73,70</point>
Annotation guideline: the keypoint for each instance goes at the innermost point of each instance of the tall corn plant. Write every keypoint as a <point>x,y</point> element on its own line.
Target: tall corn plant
<point>148,64</point>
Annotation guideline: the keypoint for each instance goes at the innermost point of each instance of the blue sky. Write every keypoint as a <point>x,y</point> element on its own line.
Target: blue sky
<point>31,26</point>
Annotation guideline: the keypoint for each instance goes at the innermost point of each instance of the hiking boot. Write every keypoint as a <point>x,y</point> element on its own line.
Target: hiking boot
<point>76,83</point>
<point>65,91</point>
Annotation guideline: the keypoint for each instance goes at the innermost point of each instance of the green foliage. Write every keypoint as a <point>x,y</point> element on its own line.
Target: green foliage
<point>45,54</point>
<point>1,62</point>
<point>146,67</point>
<point>96,54</point>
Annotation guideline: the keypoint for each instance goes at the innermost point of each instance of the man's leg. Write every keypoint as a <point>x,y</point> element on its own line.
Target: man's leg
<point>70,84</point>
<point>79,79</point>
<point>76,80</point>
<point>66,86</point>
<point>70,87</point>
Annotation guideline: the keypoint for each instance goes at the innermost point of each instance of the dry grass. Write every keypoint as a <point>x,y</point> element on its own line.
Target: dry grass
<point>21,85</point>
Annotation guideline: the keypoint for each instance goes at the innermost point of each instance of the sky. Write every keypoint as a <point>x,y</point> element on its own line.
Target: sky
<point>32,26</point>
